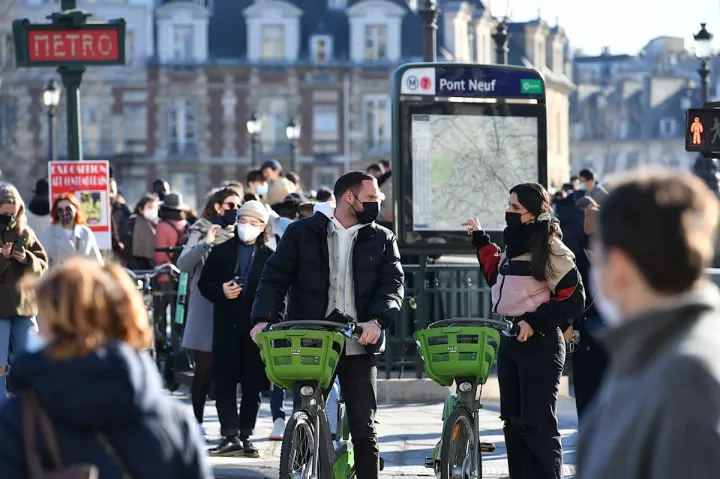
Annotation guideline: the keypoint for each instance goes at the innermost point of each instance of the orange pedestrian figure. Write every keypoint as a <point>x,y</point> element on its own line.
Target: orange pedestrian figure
<point>696,129</point>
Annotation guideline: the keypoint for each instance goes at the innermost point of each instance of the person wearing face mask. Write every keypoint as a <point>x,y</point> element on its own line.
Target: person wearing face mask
<point>229,280</point>
<point>22,254</point>
<point>137,233</point>
<point>256,183</point>
<point>68,235</point>
<point>535,284</point>
<point>279,186</point>
<point>341,259</point>
<point>215,227</point>
<point>656,414</point>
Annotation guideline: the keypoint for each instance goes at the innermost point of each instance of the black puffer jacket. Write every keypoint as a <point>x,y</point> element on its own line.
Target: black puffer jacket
<point>300,267</point>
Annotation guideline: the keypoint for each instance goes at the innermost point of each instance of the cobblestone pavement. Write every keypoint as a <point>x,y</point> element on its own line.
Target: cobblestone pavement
<point>408,434</point>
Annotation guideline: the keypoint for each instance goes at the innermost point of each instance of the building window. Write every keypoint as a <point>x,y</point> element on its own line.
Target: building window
<point>129,47</point>
<point>182,42</point>
<point>376,115</point>
<point>274,116</point>
<point>92,131</point>
<point>325,123</point>
<point>631,161</point>
<point>272,42</point>
<point>7,49</point>
<point>668,127</point>
<point>325,176</point>
<point>375,42</point>
<point>134,131</point>
<point>336,4</point>
<point>622,129</point>
<point>8,116</point>
<point>182,126</point>
<point>321,48</point>
<point>186,185</point>
<point>610,163</point>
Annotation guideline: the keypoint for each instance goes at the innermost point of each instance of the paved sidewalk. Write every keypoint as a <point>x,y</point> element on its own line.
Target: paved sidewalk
<point>408,434</point>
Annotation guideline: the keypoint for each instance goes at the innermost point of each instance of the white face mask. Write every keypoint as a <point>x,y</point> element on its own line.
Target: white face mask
<point>151,214</point>
<point>247,233</point>
<point>608,310</point>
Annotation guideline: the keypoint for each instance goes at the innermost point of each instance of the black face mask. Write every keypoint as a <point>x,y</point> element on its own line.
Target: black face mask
<point>370,212</point>
<point>6,221</point>
<point>229,217</point>
<point>513,220</point>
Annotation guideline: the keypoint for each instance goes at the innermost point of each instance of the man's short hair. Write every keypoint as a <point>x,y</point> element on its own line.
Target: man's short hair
<point>351,181</point>
<point>574,178</point>
<point>666,222</point>
<point>587,174</point>
<point>385,164</point>
<point>375,167</point>
<point>323,194</point>
<point>294,177</point>
<point>254,176</point>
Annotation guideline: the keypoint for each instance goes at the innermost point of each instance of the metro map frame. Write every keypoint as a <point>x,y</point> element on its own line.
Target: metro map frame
<point>702,130</point>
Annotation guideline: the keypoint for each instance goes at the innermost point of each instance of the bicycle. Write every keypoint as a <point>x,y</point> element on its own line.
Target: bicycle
<point>304,355</point>
<point>162,345</point>
<point>461,351</point>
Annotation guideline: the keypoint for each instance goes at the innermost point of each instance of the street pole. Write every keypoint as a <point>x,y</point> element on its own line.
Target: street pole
<point>429,14</point>
<point>704,72</point>
<point>293,156</point>
<point>71,79</point>
<point>705,167</point>
<point>52,133</point>
<point>500,35</point>
<point>254,150</point>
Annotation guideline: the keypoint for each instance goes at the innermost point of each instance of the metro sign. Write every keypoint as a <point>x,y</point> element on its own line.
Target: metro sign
<point>94,44</point>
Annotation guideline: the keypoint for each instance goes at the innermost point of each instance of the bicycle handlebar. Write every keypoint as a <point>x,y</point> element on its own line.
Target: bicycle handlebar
<point>151,273</point>
<point>504,326</point>
<point>349,329</point>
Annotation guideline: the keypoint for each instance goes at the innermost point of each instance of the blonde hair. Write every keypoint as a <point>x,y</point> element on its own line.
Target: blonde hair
<point>84,304</point>
<point>10,194</point>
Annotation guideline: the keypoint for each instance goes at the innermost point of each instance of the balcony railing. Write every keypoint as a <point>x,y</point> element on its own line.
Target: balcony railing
<point>186,149</point>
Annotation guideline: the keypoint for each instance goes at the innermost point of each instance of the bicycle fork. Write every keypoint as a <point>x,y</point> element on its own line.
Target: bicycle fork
<point>315,461</point>
<point>476,463</point>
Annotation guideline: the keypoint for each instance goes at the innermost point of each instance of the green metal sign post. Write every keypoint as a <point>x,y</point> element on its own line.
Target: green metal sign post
<point>70,43</point>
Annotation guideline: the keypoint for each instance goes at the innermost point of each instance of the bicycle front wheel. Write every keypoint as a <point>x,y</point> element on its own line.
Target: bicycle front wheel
<point>298,448</point>
<point>457,447</point>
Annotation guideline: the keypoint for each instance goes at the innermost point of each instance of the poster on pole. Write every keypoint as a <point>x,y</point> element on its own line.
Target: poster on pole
<point>89,181</point>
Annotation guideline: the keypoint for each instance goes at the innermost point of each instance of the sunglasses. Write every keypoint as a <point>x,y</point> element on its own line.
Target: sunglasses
<point>68,210</point>
<point>232,206</point>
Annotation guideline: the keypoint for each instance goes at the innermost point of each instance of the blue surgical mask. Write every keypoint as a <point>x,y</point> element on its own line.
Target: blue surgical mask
<point>35,342</point>
<point>283,224</point>
<point>262,189</point>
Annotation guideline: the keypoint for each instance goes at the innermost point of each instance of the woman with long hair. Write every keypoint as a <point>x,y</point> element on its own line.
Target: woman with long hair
<point>88,371</point>
<point>22,253</point>
<point>215,227</point>
<point>536,285</point>
<point>229,279</point>
<point>68,235</point>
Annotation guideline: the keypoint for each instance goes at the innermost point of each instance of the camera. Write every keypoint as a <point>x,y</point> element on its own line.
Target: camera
<point>237,281</point>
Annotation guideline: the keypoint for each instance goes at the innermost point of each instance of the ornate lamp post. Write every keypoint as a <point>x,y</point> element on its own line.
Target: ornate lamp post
<point>292,132</point>
<point>51,99</point>
<point>429,13</point>
<point>705,168</point>
<point>501,36</point>
<point>254,127</point>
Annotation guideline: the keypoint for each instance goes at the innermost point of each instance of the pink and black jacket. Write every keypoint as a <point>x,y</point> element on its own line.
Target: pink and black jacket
<point>518,296</point>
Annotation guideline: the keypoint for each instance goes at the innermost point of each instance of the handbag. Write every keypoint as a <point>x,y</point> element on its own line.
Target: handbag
<point>32,412</point>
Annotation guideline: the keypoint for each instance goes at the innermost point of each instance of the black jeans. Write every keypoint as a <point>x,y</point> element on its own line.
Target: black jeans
<point>226,366</point>
<point>529,377</point>
<point>588,364</point>
<point>358,387</point>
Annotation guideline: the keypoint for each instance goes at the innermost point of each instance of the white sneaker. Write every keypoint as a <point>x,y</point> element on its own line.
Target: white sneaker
<point>278,430</point>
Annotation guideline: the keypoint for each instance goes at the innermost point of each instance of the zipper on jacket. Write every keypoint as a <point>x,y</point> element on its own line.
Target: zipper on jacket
<point>325,249</point>
<point>502,283</point>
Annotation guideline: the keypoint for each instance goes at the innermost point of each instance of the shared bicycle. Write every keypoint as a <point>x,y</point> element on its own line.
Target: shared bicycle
<point>304,355</point>
<point>461,351</point>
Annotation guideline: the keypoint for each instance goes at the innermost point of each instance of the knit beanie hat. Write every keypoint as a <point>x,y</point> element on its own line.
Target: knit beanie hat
<point>254,209</point>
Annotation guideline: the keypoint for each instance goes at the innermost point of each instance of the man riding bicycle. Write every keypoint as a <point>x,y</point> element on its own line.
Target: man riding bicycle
<point>339,259</point>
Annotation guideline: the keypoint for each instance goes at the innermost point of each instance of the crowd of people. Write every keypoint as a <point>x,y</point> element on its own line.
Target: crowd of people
<point>604,273</point>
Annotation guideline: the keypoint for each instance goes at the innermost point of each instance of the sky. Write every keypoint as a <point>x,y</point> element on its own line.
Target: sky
<point>623,25</point>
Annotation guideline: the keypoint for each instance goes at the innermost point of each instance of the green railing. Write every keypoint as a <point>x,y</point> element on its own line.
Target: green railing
<point>432,292</point>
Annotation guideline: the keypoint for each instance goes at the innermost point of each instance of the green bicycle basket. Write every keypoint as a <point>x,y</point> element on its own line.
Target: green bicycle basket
<point>458,351</point>
<point>300,355</point>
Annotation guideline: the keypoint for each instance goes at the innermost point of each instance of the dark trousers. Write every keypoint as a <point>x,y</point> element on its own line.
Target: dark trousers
<point>201,383</point>
<point>588,364</point>
<point>358,385</point>
<point>529,377</point>
<point>277,398</point>
<point>227,373</point>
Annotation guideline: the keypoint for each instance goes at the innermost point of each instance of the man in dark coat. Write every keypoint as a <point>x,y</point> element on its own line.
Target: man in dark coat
<point>229,280</point>
<point>341,259</point>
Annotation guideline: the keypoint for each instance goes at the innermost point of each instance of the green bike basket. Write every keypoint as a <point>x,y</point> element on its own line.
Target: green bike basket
<point>458,351</point>
<point>300,355</point>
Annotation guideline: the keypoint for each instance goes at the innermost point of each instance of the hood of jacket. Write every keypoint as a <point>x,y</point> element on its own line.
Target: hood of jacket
<point>327,208</point>
<point>39,206</point>
<point>202,226</point>
<point>111,387</point>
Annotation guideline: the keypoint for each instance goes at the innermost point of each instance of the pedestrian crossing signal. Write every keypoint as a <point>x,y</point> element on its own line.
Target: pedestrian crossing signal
<point>702,130</point>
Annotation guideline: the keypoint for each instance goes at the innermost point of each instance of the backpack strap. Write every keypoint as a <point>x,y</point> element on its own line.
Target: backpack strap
<point>112,452</point>
<point>31,410</point>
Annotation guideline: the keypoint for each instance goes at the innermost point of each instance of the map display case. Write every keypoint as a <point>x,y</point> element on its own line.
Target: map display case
<point>463,135</point>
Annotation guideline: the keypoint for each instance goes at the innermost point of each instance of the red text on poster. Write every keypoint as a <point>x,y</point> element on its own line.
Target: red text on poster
<point>89,181</point>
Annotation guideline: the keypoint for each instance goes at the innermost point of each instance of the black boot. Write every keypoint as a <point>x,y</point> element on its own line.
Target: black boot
<point>230,446</point>
<point>249,448</point>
